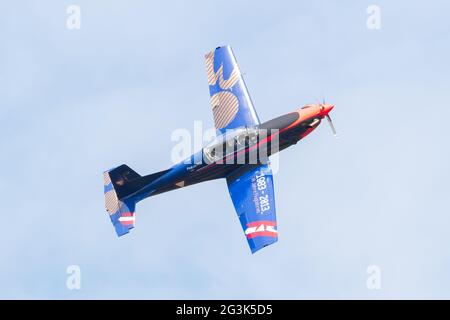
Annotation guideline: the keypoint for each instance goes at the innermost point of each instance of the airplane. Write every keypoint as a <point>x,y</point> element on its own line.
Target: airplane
<point>239,154</point>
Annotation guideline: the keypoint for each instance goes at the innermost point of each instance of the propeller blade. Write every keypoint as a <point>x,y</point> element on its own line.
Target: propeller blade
<point>330,122</point>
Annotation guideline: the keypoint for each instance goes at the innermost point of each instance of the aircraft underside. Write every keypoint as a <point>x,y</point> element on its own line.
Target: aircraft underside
<point>240,155</point>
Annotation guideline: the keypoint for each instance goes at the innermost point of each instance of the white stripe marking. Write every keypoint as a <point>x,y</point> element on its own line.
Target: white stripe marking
<point>125,219</point>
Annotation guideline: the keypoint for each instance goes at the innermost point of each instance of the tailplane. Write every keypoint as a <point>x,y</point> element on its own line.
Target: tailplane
<point>120,186</point>
<point>120,211</point>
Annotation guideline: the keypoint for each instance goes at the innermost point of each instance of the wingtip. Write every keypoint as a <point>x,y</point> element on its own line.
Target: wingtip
<point>263,245</point>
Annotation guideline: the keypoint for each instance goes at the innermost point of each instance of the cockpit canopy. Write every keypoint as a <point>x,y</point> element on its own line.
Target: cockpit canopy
<point>229,142</point>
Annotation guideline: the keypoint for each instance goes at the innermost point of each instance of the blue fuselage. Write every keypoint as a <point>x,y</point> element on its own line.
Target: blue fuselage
<point>286,130</point>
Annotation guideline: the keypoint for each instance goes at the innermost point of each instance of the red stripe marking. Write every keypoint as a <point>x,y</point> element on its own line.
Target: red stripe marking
<point>127,214</point>
<point>264,222</point>
<point>262,234</point>
<point>126,223</point>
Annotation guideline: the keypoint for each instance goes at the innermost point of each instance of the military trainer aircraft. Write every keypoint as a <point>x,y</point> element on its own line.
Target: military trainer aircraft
<point>240,154</point>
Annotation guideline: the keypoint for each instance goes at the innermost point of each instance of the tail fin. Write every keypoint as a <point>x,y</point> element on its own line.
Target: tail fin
<point>120,211</point>
<point>119,185</point>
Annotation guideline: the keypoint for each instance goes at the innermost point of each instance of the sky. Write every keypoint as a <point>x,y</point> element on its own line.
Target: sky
<point>76,102</point>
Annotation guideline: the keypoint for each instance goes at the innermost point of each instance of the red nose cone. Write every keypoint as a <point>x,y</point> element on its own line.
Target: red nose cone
<point>327,108</point>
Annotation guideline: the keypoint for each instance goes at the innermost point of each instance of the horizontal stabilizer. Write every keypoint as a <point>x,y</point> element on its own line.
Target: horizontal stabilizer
<point>120,212</point>
<point>121,187</point>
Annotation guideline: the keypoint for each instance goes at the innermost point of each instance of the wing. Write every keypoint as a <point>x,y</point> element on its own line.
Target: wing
<point>230,101</point>
<point>253,197</point>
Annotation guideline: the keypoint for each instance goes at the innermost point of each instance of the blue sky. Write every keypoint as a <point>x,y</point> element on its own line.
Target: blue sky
<point>74,103</point>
